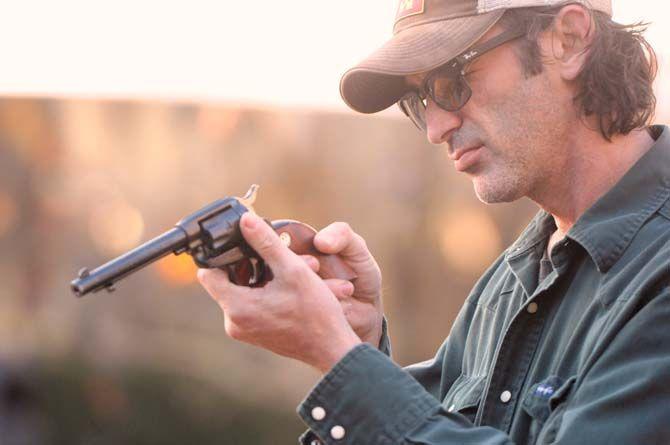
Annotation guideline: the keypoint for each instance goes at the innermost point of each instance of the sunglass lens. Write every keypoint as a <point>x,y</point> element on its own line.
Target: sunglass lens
<point>450,93</point>
<point>415,108</point>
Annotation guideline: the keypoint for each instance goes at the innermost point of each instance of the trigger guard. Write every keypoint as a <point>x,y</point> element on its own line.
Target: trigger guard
<point>251,272</point>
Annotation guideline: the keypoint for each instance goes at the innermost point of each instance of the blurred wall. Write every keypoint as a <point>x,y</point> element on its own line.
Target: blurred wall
<point>83,181</point>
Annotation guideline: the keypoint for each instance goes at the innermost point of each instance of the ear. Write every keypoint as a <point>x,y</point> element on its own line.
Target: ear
<point>571,35</point>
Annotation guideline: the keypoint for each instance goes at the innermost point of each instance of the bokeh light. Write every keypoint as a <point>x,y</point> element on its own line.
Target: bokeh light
<point>177,269</point>
<point>469,239</point>
<point>115,226</point>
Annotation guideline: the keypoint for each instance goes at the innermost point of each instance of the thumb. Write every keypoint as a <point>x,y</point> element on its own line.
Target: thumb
<point>340,239</point>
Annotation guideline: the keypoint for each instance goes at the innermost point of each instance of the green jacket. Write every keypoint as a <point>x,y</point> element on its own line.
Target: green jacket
<point>581,356</point>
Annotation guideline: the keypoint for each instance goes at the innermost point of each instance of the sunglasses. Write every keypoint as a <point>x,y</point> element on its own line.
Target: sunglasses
<point>447,85</point>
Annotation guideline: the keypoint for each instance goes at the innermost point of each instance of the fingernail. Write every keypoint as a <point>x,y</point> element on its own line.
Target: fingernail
<point>250,221</point>
<point>348,289</point>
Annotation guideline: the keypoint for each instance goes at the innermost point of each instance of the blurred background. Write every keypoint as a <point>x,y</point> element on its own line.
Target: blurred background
<point>117,119</point>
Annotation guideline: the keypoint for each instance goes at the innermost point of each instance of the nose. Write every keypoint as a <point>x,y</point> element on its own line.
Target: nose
<point>440,123</point>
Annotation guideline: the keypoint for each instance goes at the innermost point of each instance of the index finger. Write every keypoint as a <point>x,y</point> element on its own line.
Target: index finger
<point>265,241</point>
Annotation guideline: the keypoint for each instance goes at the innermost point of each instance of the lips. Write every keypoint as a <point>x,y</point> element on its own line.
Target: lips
<point>465,158</point>
<point>456,154</point>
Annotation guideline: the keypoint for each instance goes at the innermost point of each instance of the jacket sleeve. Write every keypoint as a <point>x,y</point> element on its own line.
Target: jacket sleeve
<point>622,398</point>
<point>368,399</point>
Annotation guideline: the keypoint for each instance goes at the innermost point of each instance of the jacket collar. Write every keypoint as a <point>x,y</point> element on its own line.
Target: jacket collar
<point>607,228</point>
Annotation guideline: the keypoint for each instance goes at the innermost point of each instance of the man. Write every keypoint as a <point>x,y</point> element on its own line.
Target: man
<point>565,337</point>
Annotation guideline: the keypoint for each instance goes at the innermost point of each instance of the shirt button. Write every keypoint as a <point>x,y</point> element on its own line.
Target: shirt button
<point>337,432</point>
<point>452,408</point>
<point>505,397</point>
<point>315,442</point>
<point>318,413</point>
<point>532,308</point>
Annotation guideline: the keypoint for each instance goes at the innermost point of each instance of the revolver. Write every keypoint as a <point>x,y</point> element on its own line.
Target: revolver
<point>213,238</point>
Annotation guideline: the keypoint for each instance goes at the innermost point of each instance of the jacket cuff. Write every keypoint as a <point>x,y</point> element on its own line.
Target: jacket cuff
<point>308,437</point>
<point>365,398</point>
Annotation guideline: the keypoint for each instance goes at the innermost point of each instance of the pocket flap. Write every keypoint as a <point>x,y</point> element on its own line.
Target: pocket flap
<point>543,397</point>
<point>562,393</point>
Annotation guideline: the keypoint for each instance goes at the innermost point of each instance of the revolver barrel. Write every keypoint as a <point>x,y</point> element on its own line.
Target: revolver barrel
<point>172,241</point>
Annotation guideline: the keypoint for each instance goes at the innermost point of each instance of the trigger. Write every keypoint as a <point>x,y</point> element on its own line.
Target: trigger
<point>255,276</point>
<point>250,272</point>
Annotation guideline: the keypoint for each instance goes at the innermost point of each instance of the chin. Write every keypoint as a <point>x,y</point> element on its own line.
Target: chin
<point>492,191</point>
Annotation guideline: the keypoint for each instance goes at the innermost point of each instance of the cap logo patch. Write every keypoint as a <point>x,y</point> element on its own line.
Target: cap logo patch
<point>407,8</point>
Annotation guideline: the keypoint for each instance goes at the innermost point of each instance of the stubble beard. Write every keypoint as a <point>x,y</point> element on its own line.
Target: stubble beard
<point>505,175</point>
<point>506,183</point>
<point>493,181</point>
<point>520,159</point>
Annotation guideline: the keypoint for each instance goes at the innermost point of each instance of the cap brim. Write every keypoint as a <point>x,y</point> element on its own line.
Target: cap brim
<point>379,81</point>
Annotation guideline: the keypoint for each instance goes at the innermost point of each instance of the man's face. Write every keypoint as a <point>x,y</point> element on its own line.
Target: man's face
<point>507,138</point>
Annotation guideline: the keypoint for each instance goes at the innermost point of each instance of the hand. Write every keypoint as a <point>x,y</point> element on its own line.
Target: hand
<point>295,315</point>
<point>362,304</point>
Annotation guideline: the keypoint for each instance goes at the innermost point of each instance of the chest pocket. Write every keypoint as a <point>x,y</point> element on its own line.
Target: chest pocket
<point>544,403</point>
<point>465,395</point>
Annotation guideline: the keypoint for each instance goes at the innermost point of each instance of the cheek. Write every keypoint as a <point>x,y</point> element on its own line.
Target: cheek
<point>496,113</point>
<point>515,111</point>
<point>494,105</point>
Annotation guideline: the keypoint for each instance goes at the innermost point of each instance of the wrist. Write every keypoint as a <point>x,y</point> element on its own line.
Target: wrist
<point>331,355</point>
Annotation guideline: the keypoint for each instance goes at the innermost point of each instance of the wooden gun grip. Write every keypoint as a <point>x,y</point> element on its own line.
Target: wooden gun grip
<point>299,237</point>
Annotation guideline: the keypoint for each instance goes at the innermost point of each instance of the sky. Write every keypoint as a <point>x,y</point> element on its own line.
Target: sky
<point>263,52</point>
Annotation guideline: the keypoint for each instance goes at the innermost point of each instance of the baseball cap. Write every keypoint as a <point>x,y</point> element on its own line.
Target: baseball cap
<point>427,34</point>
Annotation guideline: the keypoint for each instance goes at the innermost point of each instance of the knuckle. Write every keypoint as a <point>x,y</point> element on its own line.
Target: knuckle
<point>236,316</point>
<point>240,321</point>
<point>360,240</point>
<point>202,275</point>
<point>296,273</point>
<point>344,228</point>
<point>233,331</point>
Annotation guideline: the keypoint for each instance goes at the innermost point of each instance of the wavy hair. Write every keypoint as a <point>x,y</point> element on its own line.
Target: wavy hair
<point>616,82</point>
